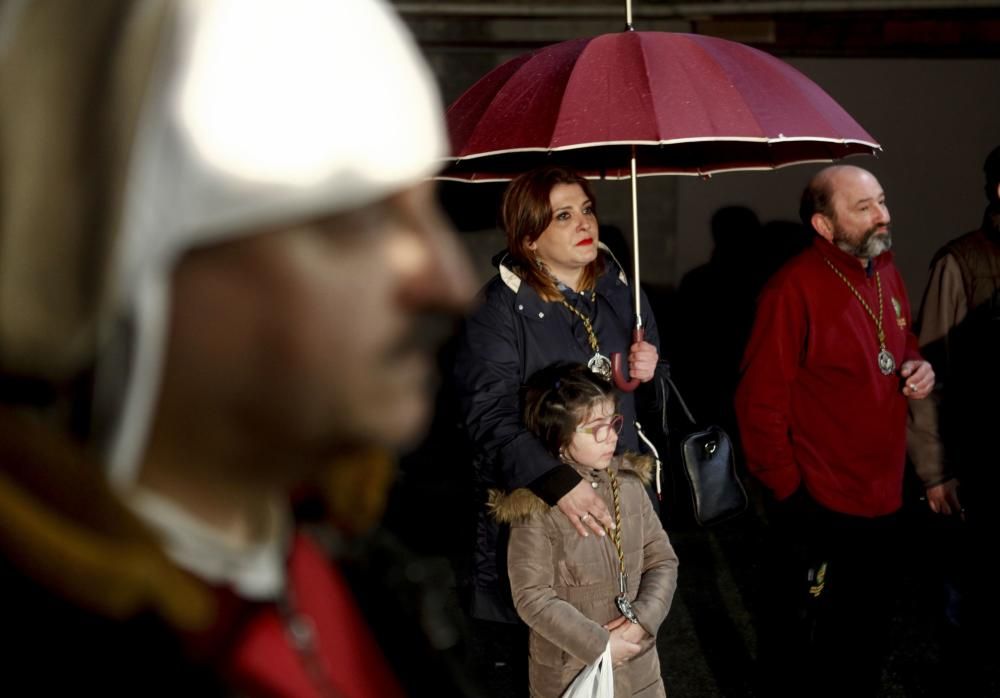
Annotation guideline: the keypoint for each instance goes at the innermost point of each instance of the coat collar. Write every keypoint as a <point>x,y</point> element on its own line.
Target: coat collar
<point>503,261</point>
<point>256,571</point>
<point>522,503</point>
<point>529,303</point>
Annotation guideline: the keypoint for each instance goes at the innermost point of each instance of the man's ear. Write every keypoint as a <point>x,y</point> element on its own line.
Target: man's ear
<point>822,224</point>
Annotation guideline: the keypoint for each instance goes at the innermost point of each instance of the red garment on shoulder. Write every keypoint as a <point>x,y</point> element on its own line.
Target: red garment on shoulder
<point>264,662</point>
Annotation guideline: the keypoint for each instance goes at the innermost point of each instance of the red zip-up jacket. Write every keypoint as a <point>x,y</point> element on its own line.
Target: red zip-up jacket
<point>813,406</point>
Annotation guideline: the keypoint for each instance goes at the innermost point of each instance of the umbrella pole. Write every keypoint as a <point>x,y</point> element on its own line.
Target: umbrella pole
<point>635,243</point>
<point>628,16</point>
<point>617,364</point>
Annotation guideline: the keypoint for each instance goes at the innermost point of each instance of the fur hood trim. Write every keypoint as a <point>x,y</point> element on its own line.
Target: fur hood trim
<point>522,503</point>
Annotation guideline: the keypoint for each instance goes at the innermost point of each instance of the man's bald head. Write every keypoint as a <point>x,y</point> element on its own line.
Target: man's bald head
<point>818,194</point>
<point>845,205</point>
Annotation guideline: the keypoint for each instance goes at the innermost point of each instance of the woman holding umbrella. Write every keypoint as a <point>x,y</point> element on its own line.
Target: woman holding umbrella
<point>559,296</point>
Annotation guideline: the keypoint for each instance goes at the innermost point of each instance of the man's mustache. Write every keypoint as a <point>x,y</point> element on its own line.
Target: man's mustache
<point>883,229</point>
<point>426,335</point>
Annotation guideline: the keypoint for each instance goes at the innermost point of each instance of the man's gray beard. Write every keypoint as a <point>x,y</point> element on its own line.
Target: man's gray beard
<point>871,246</point>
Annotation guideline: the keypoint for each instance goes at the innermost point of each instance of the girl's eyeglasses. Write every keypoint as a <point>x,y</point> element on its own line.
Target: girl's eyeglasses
<point>602,432</point>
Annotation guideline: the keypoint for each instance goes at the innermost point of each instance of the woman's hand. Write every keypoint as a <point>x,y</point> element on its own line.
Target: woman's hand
<point>642,358</point>
<point>585,510</point>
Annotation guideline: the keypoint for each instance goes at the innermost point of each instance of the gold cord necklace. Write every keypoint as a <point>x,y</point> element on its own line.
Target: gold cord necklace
<point>624,605</point>
<point>598,363</point>
<point>886,361</point>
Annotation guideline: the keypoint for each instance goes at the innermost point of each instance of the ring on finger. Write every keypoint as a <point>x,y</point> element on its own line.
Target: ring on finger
<point>584,517</point>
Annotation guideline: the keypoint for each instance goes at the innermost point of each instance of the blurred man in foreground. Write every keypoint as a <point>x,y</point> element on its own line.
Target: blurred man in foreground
<point>218,251</point>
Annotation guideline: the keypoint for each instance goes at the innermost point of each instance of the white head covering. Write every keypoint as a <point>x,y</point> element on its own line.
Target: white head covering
<point>259,113</point>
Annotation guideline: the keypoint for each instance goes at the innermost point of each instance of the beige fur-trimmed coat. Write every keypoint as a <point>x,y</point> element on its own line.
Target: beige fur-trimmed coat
<point>564,585</point>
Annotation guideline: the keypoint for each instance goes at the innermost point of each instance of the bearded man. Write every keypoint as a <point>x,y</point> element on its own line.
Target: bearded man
<point>822,410</point>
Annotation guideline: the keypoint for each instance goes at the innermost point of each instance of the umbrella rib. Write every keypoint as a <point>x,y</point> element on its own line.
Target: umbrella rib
<point>670,141</point>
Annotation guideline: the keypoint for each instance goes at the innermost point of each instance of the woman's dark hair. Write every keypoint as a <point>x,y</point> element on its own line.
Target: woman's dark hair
<point>557,397</point>
<point>526,213</point>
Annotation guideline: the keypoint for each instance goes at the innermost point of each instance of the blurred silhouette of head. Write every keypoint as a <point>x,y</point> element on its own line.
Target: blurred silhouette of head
<point>734,228</point>
<point>991,168</point>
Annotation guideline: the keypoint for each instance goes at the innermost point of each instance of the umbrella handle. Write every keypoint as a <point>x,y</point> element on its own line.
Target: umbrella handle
<point>618,368</point>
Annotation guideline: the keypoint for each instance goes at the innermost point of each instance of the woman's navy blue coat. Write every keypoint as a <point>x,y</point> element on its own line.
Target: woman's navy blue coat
<point>512,334</point>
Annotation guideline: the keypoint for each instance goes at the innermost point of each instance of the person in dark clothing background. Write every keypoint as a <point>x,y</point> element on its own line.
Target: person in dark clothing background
<point>950,443</point>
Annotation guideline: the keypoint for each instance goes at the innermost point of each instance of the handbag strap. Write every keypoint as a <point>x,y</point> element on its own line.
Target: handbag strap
<point>680,399</point>
<point>656,457</point>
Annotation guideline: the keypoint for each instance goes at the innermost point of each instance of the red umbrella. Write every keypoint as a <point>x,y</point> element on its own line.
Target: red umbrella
<point>644,103</point>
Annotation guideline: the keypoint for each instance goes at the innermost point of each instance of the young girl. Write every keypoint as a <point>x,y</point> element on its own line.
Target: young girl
<point>579,593</point>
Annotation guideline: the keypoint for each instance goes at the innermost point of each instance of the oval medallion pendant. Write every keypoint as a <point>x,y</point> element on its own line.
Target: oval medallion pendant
<point>886,362</point>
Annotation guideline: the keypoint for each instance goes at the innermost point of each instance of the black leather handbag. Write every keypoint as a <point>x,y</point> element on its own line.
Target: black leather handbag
<point>717,493</point>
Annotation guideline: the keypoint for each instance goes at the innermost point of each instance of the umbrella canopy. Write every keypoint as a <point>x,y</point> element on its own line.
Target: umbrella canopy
<point>690,104</point>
